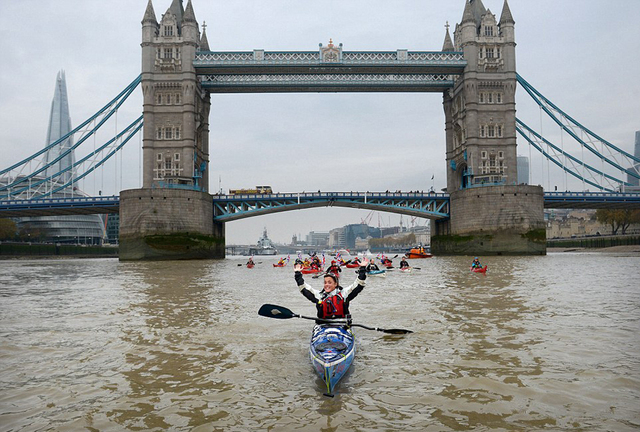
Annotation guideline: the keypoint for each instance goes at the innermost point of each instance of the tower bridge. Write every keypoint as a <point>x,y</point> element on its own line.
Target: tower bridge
<point>485,210</point>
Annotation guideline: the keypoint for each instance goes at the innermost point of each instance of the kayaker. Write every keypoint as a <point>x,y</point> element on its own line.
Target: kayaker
<point>404,263</point>
<point>335,269</point>
<point>372,266</point>
<point>250,262</point>
<point>476,263</point>
<point>333,301</point>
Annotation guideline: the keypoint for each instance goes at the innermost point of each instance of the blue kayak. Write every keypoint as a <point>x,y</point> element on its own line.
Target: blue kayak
<point>332,349</point>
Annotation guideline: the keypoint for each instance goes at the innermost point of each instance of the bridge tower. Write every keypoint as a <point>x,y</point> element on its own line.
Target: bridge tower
<point>490,213</point>
<point>171,217</point>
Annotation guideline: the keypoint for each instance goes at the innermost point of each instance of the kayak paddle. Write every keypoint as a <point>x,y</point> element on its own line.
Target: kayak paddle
<point>280,312</point>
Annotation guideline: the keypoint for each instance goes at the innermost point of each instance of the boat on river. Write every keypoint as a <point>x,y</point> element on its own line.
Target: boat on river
<point>332,350</point>
<point>265,246</point>
<point>418,252</point>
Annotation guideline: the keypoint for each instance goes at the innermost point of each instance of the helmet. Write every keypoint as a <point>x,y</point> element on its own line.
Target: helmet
<point>333,262</point>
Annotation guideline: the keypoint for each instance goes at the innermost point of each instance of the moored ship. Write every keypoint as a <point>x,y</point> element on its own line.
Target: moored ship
<point>265,246</point>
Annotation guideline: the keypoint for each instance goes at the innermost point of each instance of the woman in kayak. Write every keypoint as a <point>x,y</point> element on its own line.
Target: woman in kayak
<point>335,269</point>
<point>476,263</point>
<point>333,301</point>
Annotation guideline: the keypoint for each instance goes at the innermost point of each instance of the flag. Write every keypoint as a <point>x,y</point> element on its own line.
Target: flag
<point>433,175</point>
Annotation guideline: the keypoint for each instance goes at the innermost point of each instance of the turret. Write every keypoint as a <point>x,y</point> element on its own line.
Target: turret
<point>448,44</point>
<point>149,24</point>
<point>204,43</point>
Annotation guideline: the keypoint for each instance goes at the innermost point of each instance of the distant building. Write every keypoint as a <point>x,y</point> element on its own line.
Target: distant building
<point>523,169</point>
<point>318,238</point>
<point>636,152</point>
<point>85,229</point>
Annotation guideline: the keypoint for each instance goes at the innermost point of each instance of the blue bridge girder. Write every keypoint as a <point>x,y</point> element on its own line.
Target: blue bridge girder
<point>592,200</point>
<point>234,207</point>
<point>308,71</point>
<point>426,205</point>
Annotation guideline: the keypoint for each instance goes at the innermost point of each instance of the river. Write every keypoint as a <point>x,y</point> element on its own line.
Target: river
<point>538,343</point>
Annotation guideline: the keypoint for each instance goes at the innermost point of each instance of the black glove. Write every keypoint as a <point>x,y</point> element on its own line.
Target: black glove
<point>362,273</point>
<point>299,279</point>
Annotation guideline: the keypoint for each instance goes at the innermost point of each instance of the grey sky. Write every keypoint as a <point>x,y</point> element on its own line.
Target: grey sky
<point>584,56</point>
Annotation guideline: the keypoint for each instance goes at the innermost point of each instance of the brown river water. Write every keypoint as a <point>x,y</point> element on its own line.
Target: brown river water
<point>538,343</point>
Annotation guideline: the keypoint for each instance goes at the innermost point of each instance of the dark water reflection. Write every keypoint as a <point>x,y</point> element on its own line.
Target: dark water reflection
<point>540,343</point>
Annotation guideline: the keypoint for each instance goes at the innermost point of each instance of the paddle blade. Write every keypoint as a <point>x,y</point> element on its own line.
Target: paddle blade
<point>273,311</point>
<point>396,331</point>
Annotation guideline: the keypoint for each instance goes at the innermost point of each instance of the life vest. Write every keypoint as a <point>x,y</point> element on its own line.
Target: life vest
<point>333,306</point>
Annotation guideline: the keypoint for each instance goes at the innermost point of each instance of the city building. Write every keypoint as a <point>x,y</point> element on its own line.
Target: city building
<point>636,152</point>
<point>84,229</point>
<point>318,238</point>
<point>523,169</point>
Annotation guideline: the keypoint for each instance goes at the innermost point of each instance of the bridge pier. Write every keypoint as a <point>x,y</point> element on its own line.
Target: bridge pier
<point>164,224</point>
<point>493,220</point>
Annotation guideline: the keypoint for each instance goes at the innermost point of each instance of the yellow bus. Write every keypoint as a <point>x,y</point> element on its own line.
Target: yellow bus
<point>257,190</point>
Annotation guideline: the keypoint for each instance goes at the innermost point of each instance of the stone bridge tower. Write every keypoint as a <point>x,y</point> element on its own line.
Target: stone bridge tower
<point>490,213</point>
<point>171,217</point>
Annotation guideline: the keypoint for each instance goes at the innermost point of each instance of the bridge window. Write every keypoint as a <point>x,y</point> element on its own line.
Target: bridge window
<point>491,132</point>
<point>168,53</point>
<point>499,129</point>
<point>159,133</point>
<point>177,133</point>
<point>483,154</point>
<point>176,157</point>
<point>481,97</point>
<point>168,30</point>
<point>488,30</point>
<point>489,53</point>
<point>498,97</point>
<point>483,131</point>
<point>177,98</point>
<point>159,158</point>
<point>168,133</point>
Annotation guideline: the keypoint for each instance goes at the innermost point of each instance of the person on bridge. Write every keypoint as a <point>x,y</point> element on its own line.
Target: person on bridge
<point>404,263</point>
<point>476,263</point>
<point>333,301</point>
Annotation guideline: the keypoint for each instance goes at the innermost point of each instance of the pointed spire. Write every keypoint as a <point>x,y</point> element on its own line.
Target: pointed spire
<point>204,43</point>
<point>189,14</point>
<point>448,44</point>
<point>506,16</point>
<point>467,15</point>
<point>149,14</point>
<point>177,10</point>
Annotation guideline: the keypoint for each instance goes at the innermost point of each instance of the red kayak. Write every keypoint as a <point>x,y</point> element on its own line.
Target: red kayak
<point>353,265</point>
<point>310,271</point>
<point>280,265</point>
<point>479,270</point>
<point>250,265</point>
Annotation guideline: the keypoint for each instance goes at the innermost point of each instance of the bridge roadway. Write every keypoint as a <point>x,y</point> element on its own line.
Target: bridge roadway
<point>233,207</point>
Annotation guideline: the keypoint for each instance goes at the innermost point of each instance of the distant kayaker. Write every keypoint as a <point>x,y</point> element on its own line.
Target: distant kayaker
<point>372,266</point>
<point>250,262</point>
<point>476,263</point>
<point>333,301</point>
<point>335,269</point>
<point>404,263</point>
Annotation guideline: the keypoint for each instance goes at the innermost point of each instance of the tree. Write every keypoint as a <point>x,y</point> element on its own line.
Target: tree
<point>8,229</point>
<point>618,219</point>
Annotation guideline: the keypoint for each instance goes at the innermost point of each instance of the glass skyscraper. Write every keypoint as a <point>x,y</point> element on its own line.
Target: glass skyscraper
<point>85,229</point>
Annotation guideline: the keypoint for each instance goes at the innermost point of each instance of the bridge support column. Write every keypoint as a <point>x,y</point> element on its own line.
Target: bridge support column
<point>159,224</point>
<point>493,220</point>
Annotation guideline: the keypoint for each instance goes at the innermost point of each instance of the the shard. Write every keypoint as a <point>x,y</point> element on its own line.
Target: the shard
<point>59,126</point>
<point>85,229</point>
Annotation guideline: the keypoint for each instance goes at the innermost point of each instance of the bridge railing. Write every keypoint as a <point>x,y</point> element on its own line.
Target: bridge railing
<point>355,195</point>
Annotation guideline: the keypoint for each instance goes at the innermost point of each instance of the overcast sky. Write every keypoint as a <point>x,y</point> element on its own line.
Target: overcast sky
<point>584,56</point>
